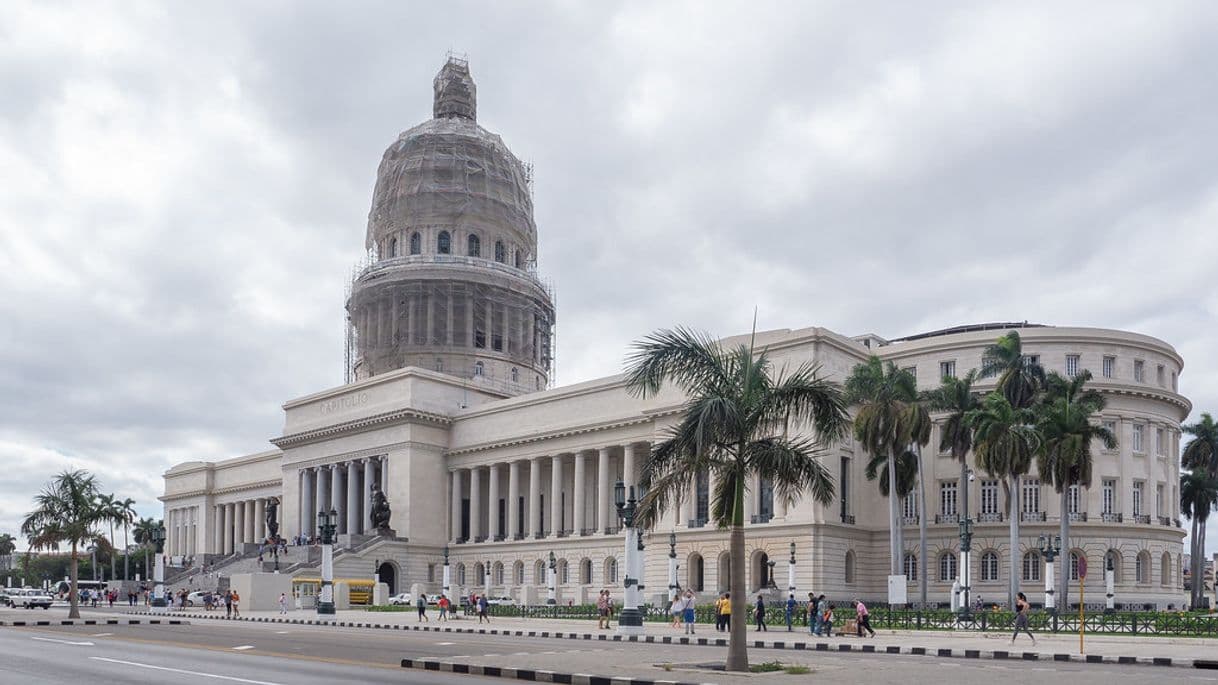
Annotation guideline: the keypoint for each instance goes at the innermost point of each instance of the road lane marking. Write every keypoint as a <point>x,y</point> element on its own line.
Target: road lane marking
<point>63,642</point>
<point>178,670</point>
<point>445,644</point>
<point>243,647</point>
<point>102,634</point>
<point>282,632</point>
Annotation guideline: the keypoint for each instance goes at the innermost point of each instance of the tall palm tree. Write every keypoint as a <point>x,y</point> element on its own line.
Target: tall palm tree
<point>67,513</point>
<point>143,534</point>
<point>918,419</point>
<point>8,545</point>
<point>1200,454</point>
<point>885,396</point>
<point>125,509</point>
<point>1020,378</point>
<point>108,502</point>
<point>1198,496</point>
<point>1067,436</point>
<point>1006,441</point>
<point>737,421</point>
<point>955,398</point>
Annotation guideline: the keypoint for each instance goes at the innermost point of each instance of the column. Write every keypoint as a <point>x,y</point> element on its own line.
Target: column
<point>192,531</point>
<point>577,514</point>
<point>230,513</point>
<point>217,529</point>
<point>449,333</point>
<point>317,499</point>
<point>456,509</point>
<point>336,495</point>
<point>383,463</point>
<point>492,503</point>
<point>321,493</point>
<point>469,320</point>
<point>301,486</point>
<point>260,531</point>
<point>535,496</point>
<point>628,465</point>
<point>556,523</point>
<point>431,319</point>
<point>513,497</point>
<point>238,525</point>
<point>475,504</point>
<point>369,478</point>
<point>602,490</point>
<point>353,498</point>
<point>249,521</point>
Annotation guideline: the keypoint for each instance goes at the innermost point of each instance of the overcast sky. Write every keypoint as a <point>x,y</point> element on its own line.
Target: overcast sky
<point>184,188</point>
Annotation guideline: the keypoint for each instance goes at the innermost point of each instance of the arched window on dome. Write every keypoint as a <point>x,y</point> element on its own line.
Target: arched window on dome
<point>416,243</point>
<point>444,244</point>
<point>479,368</point>
<point>393,247</point>
<point>439,364</point>
<point>519,260</point>
<point>515,375</point>
<point>475,246</point>
<point>500,252</point>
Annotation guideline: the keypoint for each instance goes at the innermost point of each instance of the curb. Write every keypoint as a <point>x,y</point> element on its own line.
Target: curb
<point>96,622</point>
<point>841,647</point>
<point>532,674</point>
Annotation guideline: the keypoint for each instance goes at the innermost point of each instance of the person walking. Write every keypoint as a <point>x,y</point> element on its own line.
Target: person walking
<point>719,613</point>
<point>813,615</point>
<point>236,605</point>
<point>827,618</point>
<point>443,604</point>
<point>821,607</point>
<point>791,605</point>
<point>759,614</point>
<point>1021,618</point>
<point>420,603</point>
<point>283,602</point>
<point>482,607</point>
<point>228,604</point>
<point>602,610</point>
<point>677,610</point>
<point>727,612</point>
<point>863,617</point>
<point>687,612</point>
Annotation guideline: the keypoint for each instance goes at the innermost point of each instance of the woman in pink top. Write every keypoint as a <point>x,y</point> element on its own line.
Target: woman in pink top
<point>863,616</point>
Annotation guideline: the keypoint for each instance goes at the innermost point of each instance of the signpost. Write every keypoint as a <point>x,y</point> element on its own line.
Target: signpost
<point>1082,576</point>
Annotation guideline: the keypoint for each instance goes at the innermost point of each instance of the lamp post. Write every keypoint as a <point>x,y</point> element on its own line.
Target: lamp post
<point>159,605</point>
<point>672,567</point>
<point>93,560</point>
<point>771,585</point>
<point>446,577</point>
<point>966,567</point>
<point>552,582</point>
<point>791,572</point>
<point>327,523</point>
<point>486,577</point>
<point>1049,548</point>
<point>1109,578</point>
<point>631,620</point>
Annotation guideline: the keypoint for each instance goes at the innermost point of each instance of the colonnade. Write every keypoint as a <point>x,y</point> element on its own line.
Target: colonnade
<point>238,523</point>
<point>345,487</point>
<point>181,531</point>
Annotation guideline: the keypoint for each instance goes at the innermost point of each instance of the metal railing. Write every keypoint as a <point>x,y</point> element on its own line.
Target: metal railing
<point>1141,518</point>
<point>1078,516</point>
<point>848,518</point>
<point>947,518</point>
<point>909,520</point>
<point>990,517</point>
<point>1032,516</point>
<point>761,518</point>
<point>1112,518</point>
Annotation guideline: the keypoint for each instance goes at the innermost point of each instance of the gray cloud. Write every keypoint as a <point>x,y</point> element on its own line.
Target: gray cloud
<point>186,189</point>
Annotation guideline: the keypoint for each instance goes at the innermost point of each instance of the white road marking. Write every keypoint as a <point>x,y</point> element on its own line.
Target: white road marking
<point>445,644</point>
<point>102,634</point>
<point>178,670</point>
<point>243,647</point>
<point>283,632</point>
<point>63,642</point>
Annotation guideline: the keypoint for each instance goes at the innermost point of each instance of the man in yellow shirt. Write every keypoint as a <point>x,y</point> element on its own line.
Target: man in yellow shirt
<point>726,611</point>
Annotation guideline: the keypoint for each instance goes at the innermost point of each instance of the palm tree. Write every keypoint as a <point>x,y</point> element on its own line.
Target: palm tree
<point>8,545</point>
<point>918,420</point>
<point>1006,441</point>
<point>1020,377</point>
<point>1198,496</point>
<point>143,536</point>
<point>125,509</point>
<point>736,424</point>
<point>108,502</point>
<point>1200,454</point>
<point>883,425</point>
<point>67,512</point>
<point>956,399</point>
<point>1067,435</point>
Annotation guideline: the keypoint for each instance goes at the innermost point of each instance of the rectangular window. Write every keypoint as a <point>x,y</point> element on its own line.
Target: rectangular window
<point>1109,502</point>
<point>1160,435</point>
<point>947,498</point>
<point>1139,371</point>
<point>989,497</point>
<point>1109,367</point>
<point>1073,496</point>
<point>702,506</point>
<point>1159,501</point>
<point>947,369</point>
<point>1072,365</point>
<point>1138,488</point>
<point>1111,427</point>
<point>910,508</point>
<point>913,371</point>
<point>1160,374</point>
<point>765,500</point>
<point>1138,436</point>
<point>843,482</point>
<point>1031,496</point>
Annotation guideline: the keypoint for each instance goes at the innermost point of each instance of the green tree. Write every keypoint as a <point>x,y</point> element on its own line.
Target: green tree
<point>1200,454</point>
<point>884,424</point>
<point>67,513</point>
<point>737,422</point>
<point>143,534</point>
<point>125,510</point>
<point>953,400</point>
<point>1198,496</point>
<point>108,502</point>
<point>1006,442</point>
<point>1067,436</point>
<point>8,544</point>
<point>1020,377</point>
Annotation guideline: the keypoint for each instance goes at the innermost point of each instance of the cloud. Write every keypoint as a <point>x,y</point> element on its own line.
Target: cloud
<point>187,187</point>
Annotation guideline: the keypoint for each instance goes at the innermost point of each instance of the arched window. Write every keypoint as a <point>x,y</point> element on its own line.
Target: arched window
<point>500,252</point>
<point>444,244</point>
<point>439,364</point>
<point>497,575</point>
<point>393,247</point>
<point>1074,557</point>
<point>539,382</point>
<point>539,572</point>
<point>1165,570</point>
<point>518,572</point>
<point>416,243</point>
<point>460,574</point>
<point>1141,567</point>
<point>519,260</point>
<point>585,572</point>
<point>475,246</point>
<point>478,368</point>
<point>849,567</point>
<point>697,573</point>
<point>1031,566</point>
<point>761,571</point>
<point>515,375</point>
<point>947,567</point>
<point>1113,558</point>
<point>479,573</point>
<point>989,566</point>
<point>564,572</point>
<point>431,573</point>
<point>911,566</point>
<point>610,571</point>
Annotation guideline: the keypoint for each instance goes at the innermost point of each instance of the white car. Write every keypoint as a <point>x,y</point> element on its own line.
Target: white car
<point>402,599</point>
<point>496,601</point>
<point>195,599</point>
<point>29,599</point>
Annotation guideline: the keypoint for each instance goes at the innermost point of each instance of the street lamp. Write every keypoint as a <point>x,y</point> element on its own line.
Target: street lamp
<point>1109,577</point>
<point>772,585</point>
<point>159,605</point>
<point>486,578</point>
<point>93,560</point>
<point>791,571</point>
<point>672,567</point>
<point>552,582</point>
<point>631,620</point>
<point>327,523</point>
<point>447,577</point>
<point>966,567</point>
<point>1049,548</point>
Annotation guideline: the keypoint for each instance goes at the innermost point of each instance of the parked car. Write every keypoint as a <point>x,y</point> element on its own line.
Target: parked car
<point>505,601</point>
<point>5,600</point>
<point>195,599</point>
<point>402,599</point>
<point>31,599</point>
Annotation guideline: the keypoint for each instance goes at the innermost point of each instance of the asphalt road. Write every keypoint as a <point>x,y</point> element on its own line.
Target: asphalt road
<point>278,654</point>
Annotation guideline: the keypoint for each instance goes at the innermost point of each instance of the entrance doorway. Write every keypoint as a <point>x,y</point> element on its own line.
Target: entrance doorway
<point>388,575</point>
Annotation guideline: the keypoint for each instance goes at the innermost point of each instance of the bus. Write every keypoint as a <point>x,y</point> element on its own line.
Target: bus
<point>61,588</point>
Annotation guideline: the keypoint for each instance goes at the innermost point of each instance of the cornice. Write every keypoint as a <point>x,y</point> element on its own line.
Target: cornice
<point>359,426</point>
<point>244,487</point>
<point>1031,337</point>
<point>563,433</point>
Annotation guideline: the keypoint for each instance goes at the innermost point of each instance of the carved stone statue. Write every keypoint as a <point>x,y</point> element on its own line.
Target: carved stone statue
<point>380,513</point>
<point>272,518</point>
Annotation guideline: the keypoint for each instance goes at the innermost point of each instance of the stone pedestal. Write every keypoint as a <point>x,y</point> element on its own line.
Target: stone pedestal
<point>260,591</point>
<point>342,596</point>
<point>380,595</point>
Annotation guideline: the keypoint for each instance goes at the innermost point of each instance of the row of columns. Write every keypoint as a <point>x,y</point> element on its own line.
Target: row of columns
<point>345,487</point>
<point>181,531</point>
<point>238,523</point>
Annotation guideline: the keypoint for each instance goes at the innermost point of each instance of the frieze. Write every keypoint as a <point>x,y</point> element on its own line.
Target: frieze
<point>343,403</point>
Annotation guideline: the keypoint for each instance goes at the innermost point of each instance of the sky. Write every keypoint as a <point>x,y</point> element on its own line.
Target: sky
<point>184,189</point>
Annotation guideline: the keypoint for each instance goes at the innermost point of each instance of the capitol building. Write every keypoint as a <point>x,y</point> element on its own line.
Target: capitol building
<point>450,410</point>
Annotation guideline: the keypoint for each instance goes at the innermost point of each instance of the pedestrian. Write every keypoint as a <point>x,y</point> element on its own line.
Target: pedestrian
<point>228,604</point>
<point>236,605</point>
<point>602,610</point>
<point>827,618</point>
<point>687,612</point>
<point>677,610</point>
<point>443,604</point>
<point>283,602</point>
<point>813,616</point>
<point>421,604</point>
<point>110,598</point>
<point>719,613</point>
<point>791,605</point>
<point>482,608</point>
<point>759,614</point>
<point>727,612</point>
<point>1021,618</point>
<point>863,617</point>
